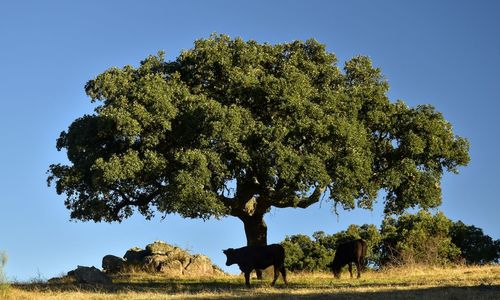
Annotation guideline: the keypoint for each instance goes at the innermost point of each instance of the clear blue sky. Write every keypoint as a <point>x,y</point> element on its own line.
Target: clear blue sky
<point>444,53</point>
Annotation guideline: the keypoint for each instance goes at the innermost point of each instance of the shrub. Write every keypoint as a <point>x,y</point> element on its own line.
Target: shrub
<point>475,246</point>
<point>421,238</point>
<point>367,232</point>
<point>304,254</point>
<point>408,239</point>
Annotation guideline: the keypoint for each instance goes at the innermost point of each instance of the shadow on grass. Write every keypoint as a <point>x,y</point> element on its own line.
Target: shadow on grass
<point>433,293</point>
<point>263,290</point>
<point>151,286</point>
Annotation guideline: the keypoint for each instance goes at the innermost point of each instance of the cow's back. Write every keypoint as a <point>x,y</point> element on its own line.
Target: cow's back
<point>265,256</point>
<point>358,250</point>
<point>351,251</point>
<point>275,253</point>
<point>260,257</point>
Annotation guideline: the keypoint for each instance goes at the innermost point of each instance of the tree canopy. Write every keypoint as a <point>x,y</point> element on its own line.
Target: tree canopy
<point>234,127</point>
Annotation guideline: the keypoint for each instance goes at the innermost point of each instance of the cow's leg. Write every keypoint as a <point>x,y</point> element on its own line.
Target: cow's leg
<point>358,267</point>
<point>350,268</point>
<point>276,274</point>
<point>283,273</point>
<point>247,279</point>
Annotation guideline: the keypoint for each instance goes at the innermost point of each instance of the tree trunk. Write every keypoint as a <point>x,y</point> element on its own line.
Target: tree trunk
<point>255,230</point>
<point>256,233</point>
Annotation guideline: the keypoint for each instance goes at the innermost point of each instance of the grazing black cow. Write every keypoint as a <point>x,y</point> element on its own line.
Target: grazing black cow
<point>348,253</point>
<point>258,257</point>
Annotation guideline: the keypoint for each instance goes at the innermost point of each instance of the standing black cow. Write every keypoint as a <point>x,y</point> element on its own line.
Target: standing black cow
<point>348,253</point>
<point>258,257</point>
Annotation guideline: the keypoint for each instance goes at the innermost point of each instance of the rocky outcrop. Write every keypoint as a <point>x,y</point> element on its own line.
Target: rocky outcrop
<point>160,257</point>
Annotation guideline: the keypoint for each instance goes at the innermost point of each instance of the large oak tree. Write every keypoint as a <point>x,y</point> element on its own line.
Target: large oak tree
<point>235,127</point>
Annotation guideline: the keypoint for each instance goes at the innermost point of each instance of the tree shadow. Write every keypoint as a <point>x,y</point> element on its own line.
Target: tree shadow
<point>168,286</point>
<point>432,293</point>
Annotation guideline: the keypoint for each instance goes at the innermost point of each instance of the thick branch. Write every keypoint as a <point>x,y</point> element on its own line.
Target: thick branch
<point>142,200</point>
<point>301,202</point>
<point>245,203</point>
<point>232,204</point>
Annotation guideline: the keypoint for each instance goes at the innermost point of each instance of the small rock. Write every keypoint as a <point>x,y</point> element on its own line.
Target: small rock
<point>171,268</point>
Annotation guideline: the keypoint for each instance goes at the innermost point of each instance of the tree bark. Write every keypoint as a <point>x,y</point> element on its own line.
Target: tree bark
<point>255,230</point>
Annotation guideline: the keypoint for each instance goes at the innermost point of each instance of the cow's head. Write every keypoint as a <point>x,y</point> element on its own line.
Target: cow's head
<point>336,268</point>
<point>336,273</point>
<point>230,255</point>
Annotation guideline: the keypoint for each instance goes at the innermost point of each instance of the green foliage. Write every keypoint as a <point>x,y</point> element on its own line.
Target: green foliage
<point>368,232</point>
<point>421,238</point>
<point>475,246</point>
<point>303,254</point>
<point>280,123</point>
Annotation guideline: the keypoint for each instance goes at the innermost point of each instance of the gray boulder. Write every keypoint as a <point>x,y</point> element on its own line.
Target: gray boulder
<point>153,263</point>
<point>90,275</point>
<point>180,255</point>
<point>171,268</point>
<point>135,255</point>
<point>158,248</point>
<point>199,265</point>
<point>112,264</point>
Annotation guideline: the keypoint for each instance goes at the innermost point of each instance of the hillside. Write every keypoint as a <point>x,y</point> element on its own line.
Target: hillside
<point>478,282</point>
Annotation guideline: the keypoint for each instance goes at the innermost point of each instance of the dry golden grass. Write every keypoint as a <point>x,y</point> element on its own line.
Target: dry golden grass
<point>477,282</point>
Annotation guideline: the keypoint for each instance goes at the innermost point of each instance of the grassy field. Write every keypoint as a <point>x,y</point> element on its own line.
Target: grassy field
<point>402,283</point>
